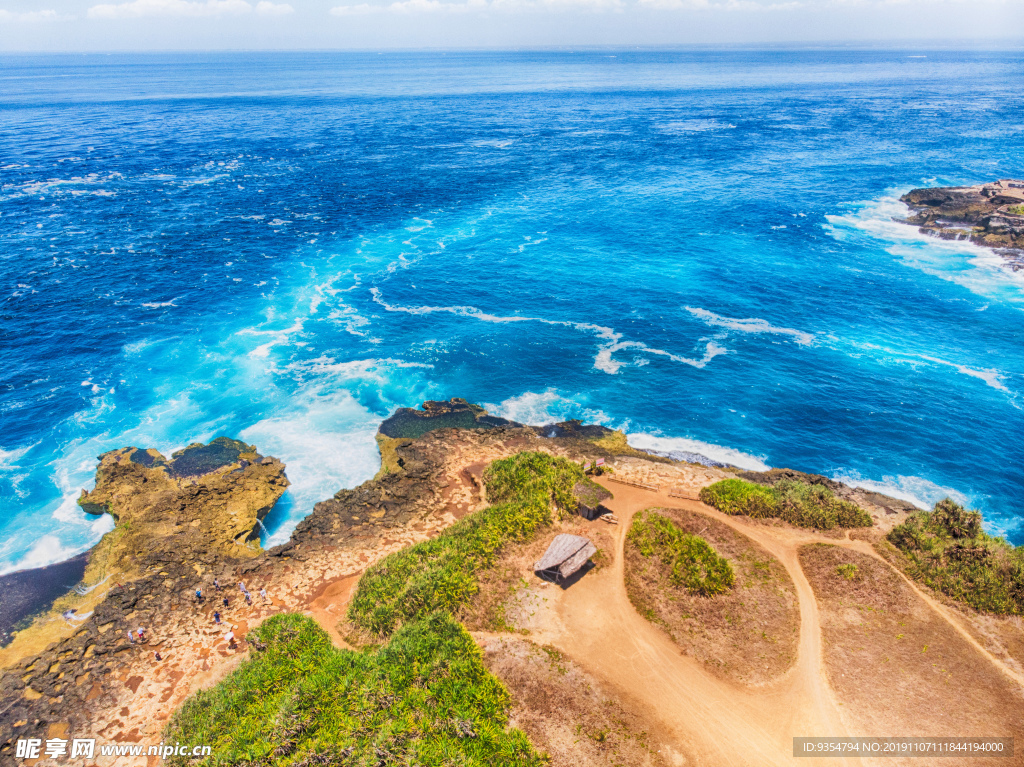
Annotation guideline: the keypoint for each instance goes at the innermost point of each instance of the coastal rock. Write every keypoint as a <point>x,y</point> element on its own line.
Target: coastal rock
<point>987,214</point>
<point>410,423</point>
<point>207,500</point>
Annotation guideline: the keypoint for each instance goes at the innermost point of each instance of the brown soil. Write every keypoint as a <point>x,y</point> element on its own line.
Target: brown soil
<point>511,597</point>
<point>748,634</point>
<point>897,667</point>
<point>566,712</point>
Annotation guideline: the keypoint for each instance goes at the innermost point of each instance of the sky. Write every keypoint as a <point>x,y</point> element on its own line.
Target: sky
<point>143,25</point>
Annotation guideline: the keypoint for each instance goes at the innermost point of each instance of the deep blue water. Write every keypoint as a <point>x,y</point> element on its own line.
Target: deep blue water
<point>695,246</point>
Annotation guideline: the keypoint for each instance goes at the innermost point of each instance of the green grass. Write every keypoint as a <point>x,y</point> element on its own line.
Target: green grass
<point>424,699</point>
<point>947,549</point>
<point>1017,210</point>
<point>849,571</point>
<point>798,503</point>
<point>441,573</point>
<point>690,560</point>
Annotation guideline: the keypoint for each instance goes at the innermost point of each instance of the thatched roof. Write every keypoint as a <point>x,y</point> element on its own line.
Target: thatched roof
<point>567,554</point>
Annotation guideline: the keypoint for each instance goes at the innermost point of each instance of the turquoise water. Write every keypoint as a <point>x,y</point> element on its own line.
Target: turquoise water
<point>693,246</point>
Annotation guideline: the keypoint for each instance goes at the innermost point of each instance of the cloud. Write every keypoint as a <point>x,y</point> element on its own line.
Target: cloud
<point>264,8</point>
<point>469,6</point>
<point>31,16</point>
<point>186,8</point>
<point>718,5</point>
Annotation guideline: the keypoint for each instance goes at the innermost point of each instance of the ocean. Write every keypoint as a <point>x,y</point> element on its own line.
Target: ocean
<point>695,246</point>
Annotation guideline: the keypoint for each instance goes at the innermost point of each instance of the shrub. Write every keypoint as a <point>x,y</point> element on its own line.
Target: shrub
<point>848,571</point>
<point>690,560</point>
<point>734,496</point>
<point>425,698</point>
<point>441,573</point>
<point>798,503</point>
<point>947,549</point>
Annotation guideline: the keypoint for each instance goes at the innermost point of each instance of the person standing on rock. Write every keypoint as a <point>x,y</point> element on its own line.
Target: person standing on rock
<point>226,601</point>
<point>241,586</point>
<point>263,594</point>
<point>156,655</point>
<point>216,584</point>
<point>130,637</point>
<point>142,637</point>
<point>216,617</point>
<point>199,595</point>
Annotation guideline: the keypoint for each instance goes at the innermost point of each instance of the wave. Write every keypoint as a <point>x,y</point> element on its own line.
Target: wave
<point>543,408</point>
<point>990,376</point>
<point>921,492</point>
<point>751,325</point>
<point>685,449</point>
<point>9,458</point>
<point>978,269</point>
<point>603,360</point>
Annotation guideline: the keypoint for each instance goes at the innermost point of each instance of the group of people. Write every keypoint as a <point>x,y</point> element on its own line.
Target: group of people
<point>216,613</point>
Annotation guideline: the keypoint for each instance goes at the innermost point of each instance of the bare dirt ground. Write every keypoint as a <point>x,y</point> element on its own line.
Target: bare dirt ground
<point>748,634</point>
<point>896,665</point>
<point>566,712</point>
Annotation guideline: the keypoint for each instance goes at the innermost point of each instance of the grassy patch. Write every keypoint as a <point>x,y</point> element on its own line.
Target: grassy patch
<point>1017,210</point>
<point>798,503</point>
<point>426,698</point>
<point>847,570</point>
<point>947,549</point>
<point>441,574</point>
<point>690,560</point>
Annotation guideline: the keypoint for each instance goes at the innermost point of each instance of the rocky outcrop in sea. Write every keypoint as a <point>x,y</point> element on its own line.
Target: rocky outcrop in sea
<point>987,214</point>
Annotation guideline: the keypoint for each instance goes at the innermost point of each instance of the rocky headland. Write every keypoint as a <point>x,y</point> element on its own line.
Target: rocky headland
<point>185,521</point>
<point>987,214</point>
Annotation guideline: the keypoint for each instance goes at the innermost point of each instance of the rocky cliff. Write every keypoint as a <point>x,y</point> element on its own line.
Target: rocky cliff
<point>987,214</point>
<point>206,502</point>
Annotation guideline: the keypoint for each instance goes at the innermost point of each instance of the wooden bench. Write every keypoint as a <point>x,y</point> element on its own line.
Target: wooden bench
<point>684,494</point>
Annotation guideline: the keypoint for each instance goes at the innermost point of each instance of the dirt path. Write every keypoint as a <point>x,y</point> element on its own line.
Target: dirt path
<point>714,721</point>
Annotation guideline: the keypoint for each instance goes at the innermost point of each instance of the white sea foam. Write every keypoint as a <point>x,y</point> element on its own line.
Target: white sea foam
<point>993,378</point>
<point>46,551</point>
<point>751,325</point>
<point>9,458</point>
<point>542,408</point>
<point>603,360</point>
<point>327,443</point>
<point>979,269</point>
<point>921,492</point>
<point>160,304</point>
<point>684,445</point>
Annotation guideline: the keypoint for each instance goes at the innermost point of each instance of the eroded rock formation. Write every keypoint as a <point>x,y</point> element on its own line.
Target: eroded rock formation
<point>987,214</point>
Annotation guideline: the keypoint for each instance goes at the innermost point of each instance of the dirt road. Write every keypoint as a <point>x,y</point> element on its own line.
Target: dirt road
<point>716,722</point>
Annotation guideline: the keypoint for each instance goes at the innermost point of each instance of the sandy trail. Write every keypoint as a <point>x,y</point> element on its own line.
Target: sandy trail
<point>715,721</point>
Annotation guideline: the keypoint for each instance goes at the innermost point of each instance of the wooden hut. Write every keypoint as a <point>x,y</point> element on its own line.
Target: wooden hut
<point>565,555</point>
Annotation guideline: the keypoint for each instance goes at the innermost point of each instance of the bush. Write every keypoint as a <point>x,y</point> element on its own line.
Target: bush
<point>849,571</point>
<point>691,561</point>
<point>426,698</point>
<point>734,496</point>
<point>947,549</point>
<point>798,503</point>
<point>441,573</point>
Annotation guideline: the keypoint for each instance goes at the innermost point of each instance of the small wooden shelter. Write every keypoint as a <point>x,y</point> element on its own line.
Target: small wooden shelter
<point>565,555</point>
